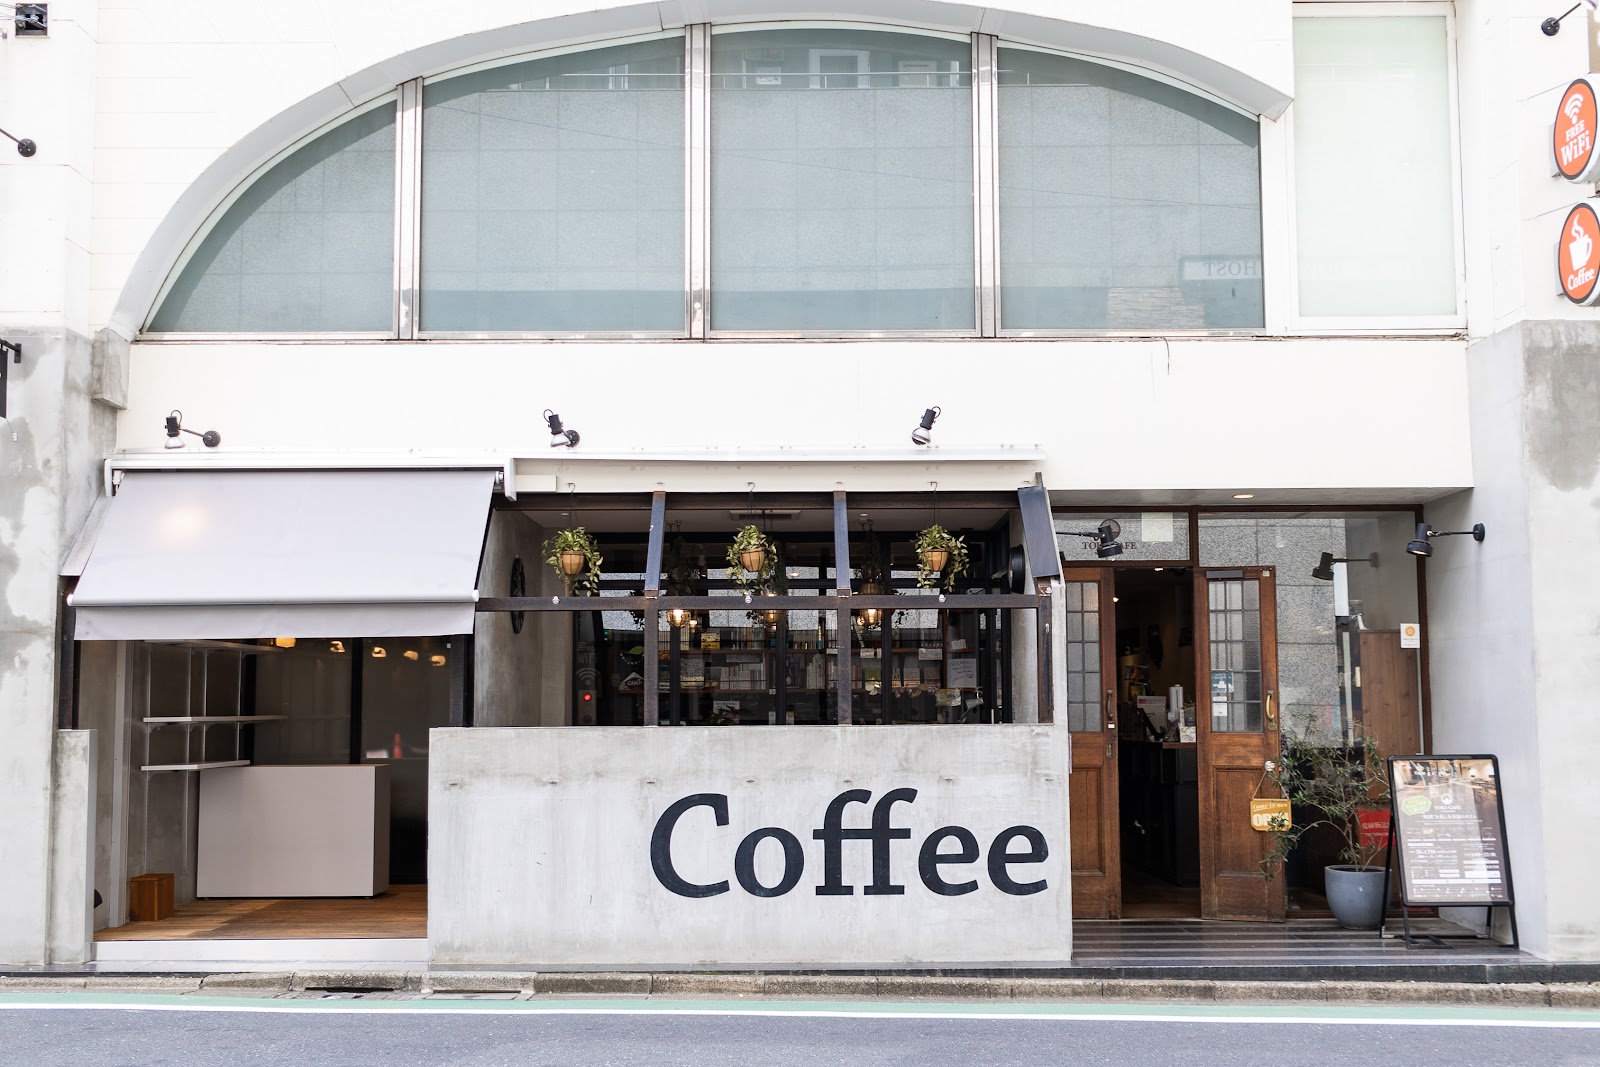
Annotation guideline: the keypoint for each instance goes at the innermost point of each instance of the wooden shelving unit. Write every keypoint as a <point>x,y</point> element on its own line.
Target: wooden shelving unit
<point>197,719</point>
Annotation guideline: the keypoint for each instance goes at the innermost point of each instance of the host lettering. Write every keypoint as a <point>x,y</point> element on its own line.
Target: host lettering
<point>936,864</point>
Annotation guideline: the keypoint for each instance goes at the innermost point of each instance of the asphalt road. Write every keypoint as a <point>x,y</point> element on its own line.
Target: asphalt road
<point>90,1031</point>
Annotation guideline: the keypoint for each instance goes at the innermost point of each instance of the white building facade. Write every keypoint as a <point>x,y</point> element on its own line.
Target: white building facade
<point>1267,283</point>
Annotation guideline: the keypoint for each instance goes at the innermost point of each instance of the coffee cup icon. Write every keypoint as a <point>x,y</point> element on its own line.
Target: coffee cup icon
<point>1580,246</point>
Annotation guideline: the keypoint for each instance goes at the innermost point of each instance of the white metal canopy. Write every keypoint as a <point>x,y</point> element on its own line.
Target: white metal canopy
<point>287,553</point>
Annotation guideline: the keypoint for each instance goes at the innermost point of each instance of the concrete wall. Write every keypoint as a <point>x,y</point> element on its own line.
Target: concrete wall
<point>543,848</point>
<point>72,847</point>
<point>520,679</point>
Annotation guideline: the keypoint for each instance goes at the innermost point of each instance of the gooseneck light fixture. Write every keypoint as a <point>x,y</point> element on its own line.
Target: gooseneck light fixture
<point>1422,544</point>
<point>559,437</point>
<point>1323,571</point>
<point>1105,537</point>
<point>175,427</point>
<point>924,430</point>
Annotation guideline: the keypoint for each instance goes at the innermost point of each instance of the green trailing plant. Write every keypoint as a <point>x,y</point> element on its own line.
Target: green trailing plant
<point>1328,785</point>
<point>937,539</point>
<point>587,581</point>
<point>751,539</point>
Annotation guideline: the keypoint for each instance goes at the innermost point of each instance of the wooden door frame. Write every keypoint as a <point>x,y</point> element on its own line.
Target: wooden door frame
<point>1240,753</point>
<point>1101,898</point>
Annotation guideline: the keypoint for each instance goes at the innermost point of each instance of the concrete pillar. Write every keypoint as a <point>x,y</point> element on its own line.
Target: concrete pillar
<point>51,445</point>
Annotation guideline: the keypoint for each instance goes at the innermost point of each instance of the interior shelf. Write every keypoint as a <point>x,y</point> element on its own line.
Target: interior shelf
<point>209,765</point>
<point>165,720</point>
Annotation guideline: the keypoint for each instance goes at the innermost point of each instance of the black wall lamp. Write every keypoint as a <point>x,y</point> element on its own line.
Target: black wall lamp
<point>14,350</point>
<point>1552,26</point>
<point>25,145</point>
<point>175,426</point>
<point>924,430</point>
<point>1105,535</point>
<point>1422,546</point>
<point>559,437</point>
<point>1324,568</point>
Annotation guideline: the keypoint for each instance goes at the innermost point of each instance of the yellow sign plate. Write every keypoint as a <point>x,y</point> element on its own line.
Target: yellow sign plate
<point>1269,815</point>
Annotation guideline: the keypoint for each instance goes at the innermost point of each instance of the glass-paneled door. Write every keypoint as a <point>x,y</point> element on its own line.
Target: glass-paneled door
<point>1091,717</point>
<point>1236,628</point>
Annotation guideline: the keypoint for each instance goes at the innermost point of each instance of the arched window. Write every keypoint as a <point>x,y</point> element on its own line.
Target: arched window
<point>1125,202</point>
<point>307,247</point>
<point>552,194</point>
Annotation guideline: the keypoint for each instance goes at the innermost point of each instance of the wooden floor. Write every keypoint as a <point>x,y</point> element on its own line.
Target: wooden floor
<point>402,911</point>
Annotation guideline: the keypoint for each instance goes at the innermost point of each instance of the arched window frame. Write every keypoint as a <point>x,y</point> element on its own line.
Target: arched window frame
<point>406,98</point>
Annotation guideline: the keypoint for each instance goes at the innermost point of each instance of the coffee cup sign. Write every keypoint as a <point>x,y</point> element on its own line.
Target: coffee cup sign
<point>1578,255</point>
<point>1573,135</point>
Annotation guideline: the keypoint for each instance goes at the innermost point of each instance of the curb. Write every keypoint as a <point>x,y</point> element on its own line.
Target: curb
<point>791,986</point>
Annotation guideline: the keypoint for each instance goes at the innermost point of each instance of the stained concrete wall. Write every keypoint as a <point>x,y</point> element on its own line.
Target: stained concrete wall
<point>543,850</point>
<point>72,846</point>
<point>520,679</point>
<point>1515,650</point>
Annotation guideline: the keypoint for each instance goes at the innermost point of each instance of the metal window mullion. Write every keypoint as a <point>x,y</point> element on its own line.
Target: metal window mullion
<point>697,177</point>
<point>408,208</point>
<point>985,176</point>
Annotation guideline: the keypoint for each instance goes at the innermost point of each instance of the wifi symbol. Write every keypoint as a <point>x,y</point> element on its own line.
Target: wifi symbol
<point>586,677</point>
<point>1573,107</point>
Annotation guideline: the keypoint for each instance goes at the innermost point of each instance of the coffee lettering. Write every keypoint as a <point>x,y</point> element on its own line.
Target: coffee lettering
<point>1003,856</point>
<point>1000,858</point>
<point>930,860</point>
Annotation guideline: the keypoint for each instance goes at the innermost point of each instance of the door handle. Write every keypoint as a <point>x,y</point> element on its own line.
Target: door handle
<point>1111,723</point>
<point>1272,715</point>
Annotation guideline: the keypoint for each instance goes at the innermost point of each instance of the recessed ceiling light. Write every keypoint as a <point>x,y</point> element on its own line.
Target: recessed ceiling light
<point>1161,568</point>
<point>1244,496</point>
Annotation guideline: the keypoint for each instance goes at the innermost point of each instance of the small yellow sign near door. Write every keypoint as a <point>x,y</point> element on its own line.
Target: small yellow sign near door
<point>1269,815</point>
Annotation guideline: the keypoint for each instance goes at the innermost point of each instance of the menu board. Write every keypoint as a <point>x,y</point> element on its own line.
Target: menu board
<point>1452,841</point>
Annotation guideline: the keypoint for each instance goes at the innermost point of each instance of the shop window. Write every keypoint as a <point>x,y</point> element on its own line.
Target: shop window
<point>1342,665</point>
<point>307,247</point>
<point>1125,202</point>
<point>841,181</point>
<point>1374,178</point>
<point>552,194</point>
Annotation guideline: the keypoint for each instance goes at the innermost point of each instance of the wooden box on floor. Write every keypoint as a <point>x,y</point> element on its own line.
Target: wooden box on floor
<point>150,897</point>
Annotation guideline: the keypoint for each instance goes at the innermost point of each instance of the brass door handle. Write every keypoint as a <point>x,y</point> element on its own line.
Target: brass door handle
<point>1272,714</point>
<point>1111,723</point>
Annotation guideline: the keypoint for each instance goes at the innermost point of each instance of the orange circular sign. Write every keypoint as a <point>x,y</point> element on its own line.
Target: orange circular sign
<point>1578,254</point>
<point>1573,139</point>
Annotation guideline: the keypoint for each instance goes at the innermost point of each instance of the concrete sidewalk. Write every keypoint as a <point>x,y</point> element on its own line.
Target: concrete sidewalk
<point>507,984</point>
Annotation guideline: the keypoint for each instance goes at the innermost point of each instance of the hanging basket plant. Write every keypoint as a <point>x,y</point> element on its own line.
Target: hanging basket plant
<point>874,575</point>
<point>752,559</point>
<point>941,558</point>
<point>575,556</point>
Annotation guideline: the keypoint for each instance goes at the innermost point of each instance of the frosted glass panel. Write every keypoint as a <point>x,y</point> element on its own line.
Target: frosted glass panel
<point>841,181</point>
<point>1373,180</point>
<point>552,194</point>
<point>308,247</point>
<point>1125,203</point>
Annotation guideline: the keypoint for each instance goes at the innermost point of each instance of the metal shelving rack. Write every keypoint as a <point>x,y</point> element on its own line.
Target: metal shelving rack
<point>190,721</point>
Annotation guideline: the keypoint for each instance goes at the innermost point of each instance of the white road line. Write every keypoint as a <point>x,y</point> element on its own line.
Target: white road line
<point>325,1008</point>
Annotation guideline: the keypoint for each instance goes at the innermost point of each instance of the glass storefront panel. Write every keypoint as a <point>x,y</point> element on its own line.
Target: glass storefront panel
<point>1345,587</point>
<point>1125,202</point>
<point>841,181</point>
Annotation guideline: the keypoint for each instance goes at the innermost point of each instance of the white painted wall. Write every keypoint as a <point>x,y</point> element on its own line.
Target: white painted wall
<point>540,845</point>
<point>1109,415</point>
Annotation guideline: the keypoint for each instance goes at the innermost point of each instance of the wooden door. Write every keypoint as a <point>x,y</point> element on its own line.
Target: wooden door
<point>1236,659</point>
<point>1091,714</point>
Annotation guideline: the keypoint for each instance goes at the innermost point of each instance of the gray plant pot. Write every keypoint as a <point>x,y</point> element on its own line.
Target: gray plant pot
<point>1355,895</point>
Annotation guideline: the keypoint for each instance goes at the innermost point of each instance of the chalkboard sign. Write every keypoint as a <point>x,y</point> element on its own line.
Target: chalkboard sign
<point>1450,831</point>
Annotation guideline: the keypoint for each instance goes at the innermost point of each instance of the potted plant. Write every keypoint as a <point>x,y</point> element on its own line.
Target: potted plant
<point>751,559</point>
<point>575,556</point>
<point>1333,784</point>
<point>940,553</point>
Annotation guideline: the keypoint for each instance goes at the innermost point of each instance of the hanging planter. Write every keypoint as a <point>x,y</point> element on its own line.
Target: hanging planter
<point>941,558</point>
<point>752,559</point>
<point>575,556</point>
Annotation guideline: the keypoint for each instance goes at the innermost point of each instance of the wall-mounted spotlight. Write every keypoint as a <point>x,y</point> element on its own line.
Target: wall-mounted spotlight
<point>31,20</point>
<point>559,438</point>
<point>14,350</point>
<point>1552,26</point>
<point>175,427</point>
<point>1105,535</point>
<point>924,430</point>
<point>1324,568</point>
<point>25,145</point>
<point>1423,546</point>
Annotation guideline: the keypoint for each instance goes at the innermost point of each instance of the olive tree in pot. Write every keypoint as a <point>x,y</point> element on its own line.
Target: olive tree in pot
<point>1334,783</point>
